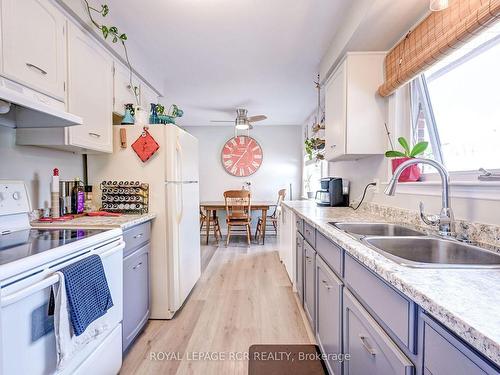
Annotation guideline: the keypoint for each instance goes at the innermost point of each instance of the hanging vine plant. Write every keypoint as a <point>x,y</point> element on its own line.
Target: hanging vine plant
<point>115,36</point>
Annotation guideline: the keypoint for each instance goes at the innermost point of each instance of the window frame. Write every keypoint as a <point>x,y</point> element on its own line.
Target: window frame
<point>418,87</point>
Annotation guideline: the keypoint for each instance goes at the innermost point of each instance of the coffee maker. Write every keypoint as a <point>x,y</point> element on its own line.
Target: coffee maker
<point>334,192</point>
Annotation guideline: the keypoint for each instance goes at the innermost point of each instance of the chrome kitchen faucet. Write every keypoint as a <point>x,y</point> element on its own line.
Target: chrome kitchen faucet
<point>444,221</point>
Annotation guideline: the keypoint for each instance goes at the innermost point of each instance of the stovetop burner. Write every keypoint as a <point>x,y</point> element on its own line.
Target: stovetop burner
<point>25,243</point>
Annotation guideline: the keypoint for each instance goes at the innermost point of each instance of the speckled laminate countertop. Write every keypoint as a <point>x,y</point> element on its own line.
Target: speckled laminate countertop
<point>467,301</point>
<point>99,222</point>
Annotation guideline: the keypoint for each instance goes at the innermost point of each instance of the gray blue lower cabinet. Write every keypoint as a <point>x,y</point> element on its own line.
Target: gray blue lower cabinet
<point>445,354</point>
<point>395,312</point>
<point>371,350</point>
<point>136,293</point>
<point>355,312</point>
<point>329,315</point>
<point>299,270</point>
<point>310,284</point>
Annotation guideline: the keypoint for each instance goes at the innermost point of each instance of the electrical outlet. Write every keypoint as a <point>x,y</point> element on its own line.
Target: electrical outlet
<point>376,188</point>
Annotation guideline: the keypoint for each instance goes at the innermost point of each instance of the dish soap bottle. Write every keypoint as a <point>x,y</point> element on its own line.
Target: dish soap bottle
<point>77,197</point>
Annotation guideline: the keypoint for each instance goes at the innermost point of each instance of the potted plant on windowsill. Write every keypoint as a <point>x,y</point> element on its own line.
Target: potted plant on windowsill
<point>413,172</point>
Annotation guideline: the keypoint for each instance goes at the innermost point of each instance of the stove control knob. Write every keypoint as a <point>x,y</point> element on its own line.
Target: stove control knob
<point>16,195</point>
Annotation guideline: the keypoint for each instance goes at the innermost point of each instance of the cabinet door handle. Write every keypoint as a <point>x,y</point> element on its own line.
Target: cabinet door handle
<point>367,347</point>
<point>326,284</point>
<point>137,266</point>
<point>29,65</point>
<point>95,135</point>
<point>138,235</point>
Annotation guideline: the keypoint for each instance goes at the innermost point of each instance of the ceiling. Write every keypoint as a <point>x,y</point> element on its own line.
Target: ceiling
<point>217,55</point>
<point>213,56</point>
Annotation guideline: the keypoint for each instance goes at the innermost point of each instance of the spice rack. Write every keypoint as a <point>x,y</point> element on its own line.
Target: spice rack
<point>126,197</point>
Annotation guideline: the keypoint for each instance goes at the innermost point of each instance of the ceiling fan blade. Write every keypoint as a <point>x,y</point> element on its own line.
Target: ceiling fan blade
<point>257,118</point>
<point>222,121</point>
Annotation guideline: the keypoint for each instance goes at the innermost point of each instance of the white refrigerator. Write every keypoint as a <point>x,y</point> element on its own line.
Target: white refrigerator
<point>172,174</point>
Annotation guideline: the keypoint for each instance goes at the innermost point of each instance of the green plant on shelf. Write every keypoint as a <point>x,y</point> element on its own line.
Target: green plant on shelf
<point>314,144</point>
<point>115,36</point>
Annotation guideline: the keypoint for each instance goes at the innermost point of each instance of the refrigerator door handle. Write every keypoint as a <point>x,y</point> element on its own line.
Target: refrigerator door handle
<point>178,149</point>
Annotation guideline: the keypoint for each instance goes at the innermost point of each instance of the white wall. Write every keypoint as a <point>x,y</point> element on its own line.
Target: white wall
<point>34,166</point>
<point>281,166</point>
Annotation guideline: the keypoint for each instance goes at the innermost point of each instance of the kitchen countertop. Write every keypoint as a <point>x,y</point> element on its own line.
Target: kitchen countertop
<point>467,301</point>
<point>99,222</point>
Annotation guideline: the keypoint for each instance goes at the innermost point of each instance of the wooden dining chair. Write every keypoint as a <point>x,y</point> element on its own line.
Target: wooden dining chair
<point>214,224</point>
<point>238,213</point>
<point>273,218</point>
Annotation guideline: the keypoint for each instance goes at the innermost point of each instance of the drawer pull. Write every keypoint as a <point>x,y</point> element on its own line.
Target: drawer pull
<point>95,135</point>
<point>326,284</point>
<point>367,347</point>
<point>29,65</point>
<point>137,266</point>
<point>138,235</point>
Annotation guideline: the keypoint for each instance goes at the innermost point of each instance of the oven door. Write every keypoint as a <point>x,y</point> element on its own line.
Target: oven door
<point>27,331</point>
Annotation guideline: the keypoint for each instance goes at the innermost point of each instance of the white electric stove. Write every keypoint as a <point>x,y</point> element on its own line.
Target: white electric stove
<point>28,260</point>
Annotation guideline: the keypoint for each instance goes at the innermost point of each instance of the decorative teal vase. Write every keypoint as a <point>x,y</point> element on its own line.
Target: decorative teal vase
<point>153,114</point>
<point>128,118</point>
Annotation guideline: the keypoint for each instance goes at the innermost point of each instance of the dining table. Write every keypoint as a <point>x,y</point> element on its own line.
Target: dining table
<point>211,207</point>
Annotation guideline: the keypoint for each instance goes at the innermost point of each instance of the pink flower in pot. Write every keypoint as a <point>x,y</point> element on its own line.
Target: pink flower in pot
<point>413,172</point>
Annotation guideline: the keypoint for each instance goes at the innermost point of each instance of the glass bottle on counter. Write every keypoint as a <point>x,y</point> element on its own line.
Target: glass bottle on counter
<point>77,197</point>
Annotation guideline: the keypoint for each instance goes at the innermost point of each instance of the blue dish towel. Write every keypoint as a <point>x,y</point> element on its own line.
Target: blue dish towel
<point>87,290</point>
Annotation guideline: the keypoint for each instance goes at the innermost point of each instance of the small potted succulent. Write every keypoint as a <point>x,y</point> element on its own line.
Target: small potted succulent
<point>413,172</point>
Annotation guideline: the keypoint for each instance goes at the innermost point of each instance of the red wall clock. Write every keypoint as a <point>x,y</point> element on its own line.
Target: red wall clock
<point>241,156</point>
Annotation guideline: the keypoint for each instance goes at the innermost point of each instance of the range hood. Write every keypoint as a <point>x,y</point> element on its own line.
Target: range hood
<point>21,107</point>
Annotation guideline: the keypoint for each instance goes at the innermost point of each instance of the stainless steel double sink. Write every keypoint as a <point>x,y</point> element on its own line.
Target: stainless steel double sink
<point>412,248</point>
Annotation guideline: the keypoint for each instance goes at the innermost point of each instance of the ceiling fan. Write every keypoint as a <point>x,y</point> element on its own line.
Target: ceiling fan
<point>242,121</point>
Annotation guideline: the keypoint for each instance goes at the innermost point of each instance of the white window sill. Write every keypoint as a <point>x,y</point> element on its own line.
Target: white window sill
<point>487,190</point>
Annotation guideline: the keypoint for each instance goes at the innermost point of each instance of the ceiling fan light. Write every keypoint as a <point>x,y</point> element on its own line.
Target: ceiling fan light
<point>437,5</point>
<point>242,124</point>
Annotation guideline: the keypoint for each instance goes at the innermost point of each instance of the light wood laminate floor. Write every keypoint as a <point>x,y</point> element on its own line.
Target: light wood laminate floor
<point>244,297</point>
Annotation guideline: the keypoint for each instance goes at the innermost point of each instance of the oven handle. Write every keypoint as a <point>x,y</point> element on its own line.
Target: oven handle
<point>9,299</point>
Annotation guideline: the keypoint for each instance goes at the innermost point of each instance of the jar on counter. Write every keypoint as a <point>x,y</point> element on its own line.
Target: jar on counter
<point>88,198</point>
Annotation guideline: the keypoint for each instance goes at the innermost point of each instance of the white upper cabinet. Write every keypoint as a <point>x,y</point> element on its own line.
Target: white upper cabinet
<point>123,93</point>
<point>354,112</point>
<point>90,92</point>
<point>33,44</point>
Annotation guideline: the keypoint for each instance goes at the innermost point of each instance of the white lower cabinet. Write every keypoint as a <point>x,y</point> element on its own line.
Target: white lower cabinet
<point>286,240</point>
<point>90,96</point>
<point>310,284</point>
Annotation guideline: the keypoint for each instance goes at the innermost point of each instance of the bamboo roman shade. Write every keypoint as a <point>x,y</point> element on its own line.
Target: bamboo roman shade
<point>435,37</point>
